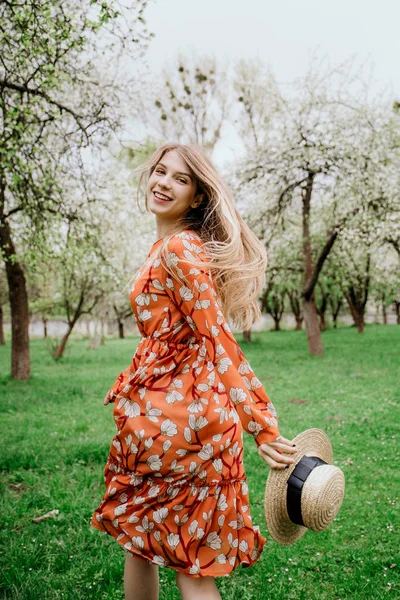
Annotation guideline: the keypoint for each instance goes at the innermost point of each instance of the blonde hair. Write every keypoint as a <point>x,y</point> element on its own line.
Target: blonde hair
<point>237,258</point>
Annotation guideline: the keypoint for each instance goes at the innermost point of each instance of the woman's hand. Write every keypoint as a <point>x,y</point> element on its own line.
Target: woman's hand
<point>109,396</point>
<point>273,455</point>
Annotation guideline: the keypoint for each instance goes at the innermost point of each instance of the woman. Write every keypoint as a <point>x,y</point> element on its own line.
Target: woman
<point>176,487</point>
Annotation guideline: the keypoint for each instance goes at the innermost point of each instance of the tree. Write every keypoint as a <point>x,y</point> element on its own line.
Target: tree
<point>324,151</point>
<point>59,105</point>
<point>330,287</point>
<point>128,238</point>
<point>259,99</point>
<point>283,275</point>
<point>273,300</point>
<point>42,289</point>
<point>3,298</point>
<point>85,276</point>
<point>122,311</point>
<point>385,280</point>
<point>191,101</point>
<point>294,295</point>
<point>321,303</point>
<point>356,288</point>
<point>392,237</point>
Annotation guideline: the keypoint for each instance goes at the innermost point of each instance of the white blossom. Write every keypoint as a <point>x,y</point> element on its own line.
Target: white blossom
<point>131,409</point>
<point>138,542</point>
<point>168,428</point>
<point>160,515</point>
<point>154,462</point>
<point>206,452</point>
<point>214,541</point>
<point>173,540</point>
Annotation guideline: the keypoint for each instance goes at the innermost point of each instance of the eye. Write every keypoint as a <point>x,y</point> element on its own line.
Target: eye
<point>159,170</point>
<point>182,180</point>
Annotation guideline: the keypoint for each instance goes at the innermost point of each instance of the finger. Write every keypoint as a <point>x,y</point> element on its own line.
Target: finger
<point>279,466</point>
<point>272,451</point>
<point>284,441</point>
<point>272,463</point>
<point>284,447</point>
<point>281,439</point>
<point>276,456</point>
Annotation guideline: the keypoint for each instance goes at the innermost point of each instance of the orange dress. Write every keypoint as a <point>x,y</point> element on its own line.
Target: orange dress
<point>176,491</point>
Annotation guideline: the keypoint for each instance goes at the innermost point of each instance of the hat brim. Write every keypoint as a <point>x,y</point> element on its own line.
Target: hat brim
<point>312,442</point>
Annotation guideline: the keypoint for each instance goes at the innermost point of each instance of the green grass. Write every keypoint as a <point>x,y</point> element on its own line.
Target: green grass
<point>55,440</point>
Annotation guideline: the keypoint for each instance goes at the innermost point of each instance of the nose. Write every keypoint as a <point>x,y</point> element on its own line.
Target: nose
<point>164,182</point>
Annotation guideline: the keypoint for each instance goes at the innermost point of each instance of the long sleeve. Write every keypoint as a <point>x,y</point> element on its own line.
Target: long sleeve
<point>201,307</point>
<point>119,384</point>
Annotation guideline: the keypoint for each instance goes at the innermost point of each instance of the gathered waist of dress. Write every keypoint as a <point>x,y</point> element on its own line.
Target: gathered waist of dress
<point>139,479</point>
<point>190,342</point>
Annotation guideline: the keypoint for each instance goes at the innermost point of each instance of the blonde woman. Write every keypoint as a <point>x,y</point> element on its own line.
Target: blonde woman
<point>176,492</point>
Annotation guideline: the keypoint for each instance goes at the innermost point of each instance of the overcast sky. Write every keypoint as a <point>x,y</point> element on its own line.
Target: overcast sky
<point>284,33</point>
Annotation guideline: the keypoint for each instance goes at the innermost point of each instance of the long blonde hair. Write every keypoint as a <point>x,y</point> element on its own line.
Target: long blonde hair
<point>238,259</point>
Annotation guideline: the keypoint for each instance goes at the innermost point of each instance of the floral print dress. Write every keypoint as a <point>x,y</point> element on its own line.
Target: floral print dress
<point>176,491</point>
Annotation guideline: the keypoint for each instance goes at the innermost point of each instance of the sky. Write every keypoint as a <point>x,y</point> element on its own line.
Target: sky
<point>285,34</point>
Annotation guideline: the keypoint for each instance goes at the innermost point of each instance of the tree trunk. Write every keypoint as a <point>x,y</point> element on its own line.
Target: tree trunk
<point>60,350</point>
<point>359,321</point>
<point>357,296</point>
<point>102,338</point>
<point>121,316</point>
<point>312,327</point>
<point>335,312</point>
<point>384,313</point>
<point>299,321</point>
<point>309,309</point>
<point>277,322</point>
<point>20,360</point>
<point>121,331</point>
<point>322,310</point>
<point>45,319</point>
<point>360,324</point>
<point>357,312</point>
<point>2,336</point>
<point>397,309</point>
<point>275,309</point>
<point>294,301</point>
<point>247,335</point>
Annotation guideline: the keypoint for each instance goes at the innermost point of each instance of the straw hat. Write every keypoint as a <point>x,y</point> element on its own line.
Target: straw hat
<point>308,494</point>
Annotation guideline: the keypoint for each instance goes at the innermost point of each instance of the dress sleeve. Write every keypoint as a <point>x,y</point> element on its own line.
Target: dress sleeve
<point>120,382</point>
<point>199,303</point>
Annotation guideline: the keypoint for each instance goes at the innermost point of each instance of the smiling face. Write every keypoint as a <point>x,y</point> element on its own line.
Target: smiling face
<point>171,190</point>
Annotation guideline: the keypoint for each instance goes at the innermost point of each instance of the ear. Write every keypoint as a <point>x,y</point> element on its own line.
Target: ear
<point>197,201</point>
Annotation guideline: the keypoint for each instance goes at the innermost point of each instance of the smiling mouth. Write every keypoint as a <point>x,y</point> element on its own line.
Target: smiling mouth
<point>162,196</point>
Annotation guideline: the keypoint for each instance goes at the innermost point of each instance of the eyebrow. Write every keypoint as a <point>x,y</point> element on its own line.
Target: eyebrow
<point>177,173</point>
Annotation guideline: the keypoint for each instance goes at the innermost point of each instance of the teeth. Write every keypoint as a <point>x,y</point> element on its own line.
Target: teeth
<point>161,196</point>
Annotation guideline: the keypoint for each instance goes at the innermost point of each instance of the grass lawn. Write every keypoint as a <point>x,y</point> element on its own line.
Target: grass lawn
<point>55,440</point>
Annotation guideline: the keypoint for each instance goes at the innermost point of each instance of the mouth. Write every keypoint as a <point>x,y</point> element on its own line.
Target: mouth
<point>161,197</point>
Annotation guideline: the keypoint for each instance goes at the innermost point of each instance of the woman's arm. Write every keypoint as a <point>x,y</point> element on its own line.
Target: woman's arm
<point>199,303</point>
<point>120,382</point>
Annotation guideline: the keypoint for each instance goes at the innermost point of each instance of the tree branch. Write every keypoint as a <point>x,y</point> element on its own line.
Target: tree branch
<point>25,89</point>
<point>325,252</point>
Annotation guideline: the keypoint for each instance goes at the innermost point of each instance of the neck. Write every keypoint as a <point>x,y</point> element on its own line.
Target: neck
<point>164,229</point>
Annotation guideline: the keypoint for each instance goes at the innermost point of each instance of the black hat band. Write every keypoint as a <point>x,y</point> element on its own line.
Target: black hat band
<point>295,486</point>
